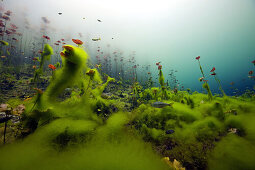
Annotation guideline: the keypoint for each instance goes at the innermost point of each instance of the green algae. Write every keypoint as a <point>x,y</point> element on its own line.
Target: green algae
<point>83,144</point>
<point>233,152</point>
<point>198,130</point>
<point>90,132</point>
<point>68,131</point>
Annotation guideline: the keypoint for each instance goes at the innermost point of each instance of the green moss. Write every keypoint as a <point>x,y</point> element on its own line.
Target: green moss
<point>14,102</point>
<point>233,152</point>
<point>84,144</point>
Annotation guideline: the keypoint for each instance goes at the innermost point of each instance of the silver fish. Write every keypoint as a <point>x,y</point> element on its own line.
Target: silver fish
<point>161,104</point>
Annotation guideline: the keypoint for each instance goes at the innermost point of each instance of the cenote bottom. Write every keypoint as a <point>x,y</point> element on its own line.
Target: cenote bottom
<point>83,119</point>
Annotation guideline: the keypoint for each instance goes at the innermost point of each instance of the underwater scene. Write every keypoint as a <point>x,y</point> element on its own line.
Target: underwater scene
<point>127,85</point>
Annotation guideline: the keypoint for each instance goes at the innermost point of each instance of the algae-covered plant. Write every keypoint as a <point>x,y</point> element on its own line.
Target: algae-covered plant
<point>72,100</point>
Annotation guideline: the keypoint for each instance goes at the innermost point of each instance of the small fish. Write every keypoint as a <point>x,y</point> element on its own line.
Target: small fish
<point>77,41</point>
<point>60,13</point>
<point>232,83</point>
<point>213,69</point>
<point>83,18</point>
<point>3,56</point>
<point>213,74</point>
<point>169,131</point>
<point>161,104</point>
<point>198,57</point>
<point>99,20</point>
<point>96,39</point>
<point>250,72</point>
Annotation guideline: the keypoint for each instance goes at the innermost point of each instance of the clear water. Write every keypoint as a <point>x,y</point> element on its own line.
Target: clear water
<point>173,32</point>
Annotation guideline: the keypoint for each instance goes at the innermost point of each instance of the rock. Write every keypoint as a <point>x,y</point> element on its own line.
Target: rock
<point>19,109</point>
<point>5,119</point>
<point>4,107</point>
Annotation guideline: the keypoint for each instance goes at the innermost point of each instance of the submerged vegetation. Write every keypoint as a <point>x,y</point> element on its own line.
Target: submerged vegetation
<point>75,113</point>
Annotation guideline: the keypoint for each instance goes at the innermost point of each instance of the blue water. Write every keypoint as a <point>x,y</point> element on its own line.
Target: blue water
<point>173,32</point>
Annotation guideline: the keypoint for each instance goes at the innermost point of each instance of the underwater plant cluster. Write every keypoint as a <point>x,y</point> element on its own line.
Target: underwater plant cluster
<point>63,108</point>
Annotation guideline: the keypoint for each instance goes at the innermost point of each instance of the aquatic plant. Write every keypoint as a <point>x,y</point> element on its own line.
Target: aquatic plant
<point>135,95</point>
<point>2,42</point>
<point>205,84</point>
<point>162,83</point>
<point>45,55</point>
<point>97,92</point>
<point>155,93</point>
<point>74,62</point>
<point>218,81</point>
